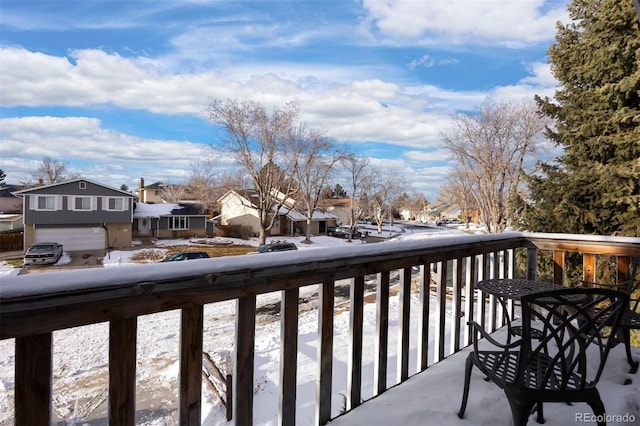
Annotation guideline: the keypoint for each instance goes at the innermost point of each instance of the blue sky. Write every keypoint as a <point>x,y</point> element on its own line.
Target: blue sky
<point>119,89</point>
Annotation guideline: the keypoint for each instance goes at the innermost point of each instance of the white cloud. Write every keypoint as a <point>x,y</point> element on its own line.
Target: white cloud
<point>92,151</point>
<point>462,21</point>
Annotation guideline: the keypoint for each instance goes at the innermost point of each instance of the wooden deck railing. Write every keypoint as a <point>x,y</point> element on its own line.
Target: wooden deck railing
<point>35,305</point>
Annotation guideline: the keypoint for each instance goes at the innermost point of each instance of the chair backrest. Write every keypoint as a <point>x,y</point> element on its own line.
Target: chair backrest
<point>571,320</point>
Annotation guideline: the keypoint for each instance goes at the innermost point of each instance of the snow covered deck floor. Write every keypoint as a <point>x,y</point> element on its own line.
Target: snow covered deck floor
<point>433,397</point>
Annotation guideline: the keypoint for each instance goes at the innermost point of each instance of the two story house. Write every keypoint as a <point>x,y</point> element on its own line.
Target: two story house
<point>237,207</point>
<point>79,214</point>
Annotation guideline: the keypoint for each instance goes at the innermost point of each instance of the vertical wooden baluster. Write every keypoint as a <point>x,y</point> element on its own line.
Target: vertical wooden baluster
<point>122,371</point>
<point>191,365</point>
<point>456,296</point>
<point>441,310</point>
<point>404,311</point>
<point>288,356</point>
<point>325,352</point>
<point>589,266</point>
<point>469,295</point>
<point>354,367</point>
<point>482,305</point>
<point>558,267</point>
<point>33,379</point>
<point>382,333</point>
<point>244,360</point>
<point>423,319</point>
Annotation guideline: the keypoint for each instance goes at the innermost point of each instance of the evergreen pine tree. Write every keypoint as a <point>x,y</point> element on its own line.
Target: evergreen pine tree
<point>594,186</point>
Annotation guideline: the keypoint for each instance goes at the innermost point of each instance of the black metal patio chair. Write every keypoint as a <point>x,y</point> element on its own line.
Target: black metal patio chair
<point>631,316</point>
<point>555,368</point>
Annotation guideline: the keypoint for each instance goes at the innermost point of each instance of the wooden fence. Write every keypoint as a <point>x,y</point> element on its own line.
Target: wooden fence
<point>11,241</point>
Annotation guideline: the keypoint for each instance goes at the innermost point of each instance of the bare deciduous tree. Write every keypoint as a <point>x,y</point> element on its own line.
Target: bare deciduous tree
<point>386,189</point>
<point>258,142</point>
<point>51,171</point>
<point>173,193</point>
<point>359,181</point>
<point>204,183</point>
<point>315,160</point>
<point>458,189</point>
<point>491,149</point>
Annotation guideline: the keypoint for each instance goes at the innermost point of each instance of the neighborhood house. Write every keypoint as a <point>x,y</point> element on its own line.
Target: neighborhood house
<point>79,214</point>
<point>168,220</point>
<point>239,208</point>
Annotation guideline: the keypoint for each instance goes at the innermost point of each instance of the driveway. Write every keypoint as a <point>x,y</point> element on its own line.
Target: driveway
<point>79,259</point>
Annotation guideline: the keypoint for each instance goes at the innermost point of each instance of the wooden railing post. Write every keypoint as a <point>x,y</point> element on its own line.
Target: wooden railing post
<point>33,380</point>
<point>623,273</point>
<point>404,312</point>
<point>482,307</point>
<point>441,310</point>
<point>456,302</point>
<point>469,295</point>
<point>244,360</point>
<point>558,267</point>
<point>354,366</point>
<point>191,365</point>
<point>324,380</point>
<point>122,371</point>
<point>382,334</point>
<point>288,356</point>
<point>589,267</point>
<point>423,316</point>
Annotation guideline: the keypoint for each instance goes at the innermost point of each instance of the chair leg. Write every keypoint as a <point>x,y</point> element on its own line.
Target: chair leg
<point>520,410</point>
<point>598,409</point>
<point>540,417</point>
<point>465,392</point>
<point>626,332</point>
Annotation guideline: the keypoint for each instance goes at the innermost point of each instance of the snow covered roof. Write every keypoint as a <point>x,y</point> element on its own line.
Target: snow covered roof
<point>299,217</point>
<point>164,209</point>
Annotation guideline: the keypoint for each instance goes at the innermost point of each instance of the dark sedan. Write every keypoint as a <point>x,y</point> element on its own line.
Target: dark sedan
<point>186,255</point>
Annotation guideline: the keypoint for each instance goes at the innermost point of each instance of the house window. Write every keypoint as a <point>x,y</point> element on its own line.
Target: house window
<point>114,203</point>
<point>81,203</point>
<point>45,202</point>
<point>179,222</point>
<point>83,185</point>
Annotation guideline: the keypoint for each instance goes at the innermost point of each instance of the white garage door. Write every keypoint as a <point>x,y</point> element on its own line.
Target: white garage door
<point>74,239</point>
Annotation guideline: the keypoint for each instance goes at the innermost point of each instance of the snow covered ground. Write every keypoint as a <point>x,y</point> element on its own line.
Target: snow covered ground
<point>81,364</point>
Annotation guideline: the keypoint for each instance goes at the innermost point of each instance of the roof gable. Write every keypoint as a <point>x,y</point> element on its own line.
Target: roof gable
<point>67,188</point>
<point>165,209</point>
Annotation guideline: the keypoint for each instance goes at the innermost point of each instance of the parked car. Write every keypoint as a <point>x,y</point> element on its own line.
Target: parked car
<point>42,254</point>
<point>445,222</point>
<point>343,232</point>
<point>186,255</point>
<point>277,246</point>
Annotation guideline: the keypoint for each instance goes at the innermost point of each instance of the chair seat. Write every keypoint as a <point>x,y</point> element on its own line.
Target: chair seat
<point>501,368</point>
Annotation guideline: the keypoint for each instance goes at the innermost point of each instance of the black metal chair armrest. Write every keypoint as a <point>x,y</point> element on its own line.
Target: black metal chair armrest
<point>484,335</point>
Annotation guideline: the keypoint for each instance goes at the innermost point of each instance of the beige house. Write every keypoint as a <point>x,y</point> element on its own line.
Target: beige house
<point>149,194</point>
<point>237,207</point>
<point>339,207</point>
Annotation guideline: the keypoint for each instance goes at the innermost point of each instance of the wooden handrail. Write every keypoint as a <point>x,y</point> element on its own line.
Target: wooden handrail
<point>32,307</point>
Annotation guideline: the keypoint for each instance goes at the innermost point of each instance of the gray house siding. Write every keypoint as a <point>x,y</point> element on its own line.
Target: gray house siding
<point>194,222</point>
<point>64,214</point>
<point>80,213</point>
